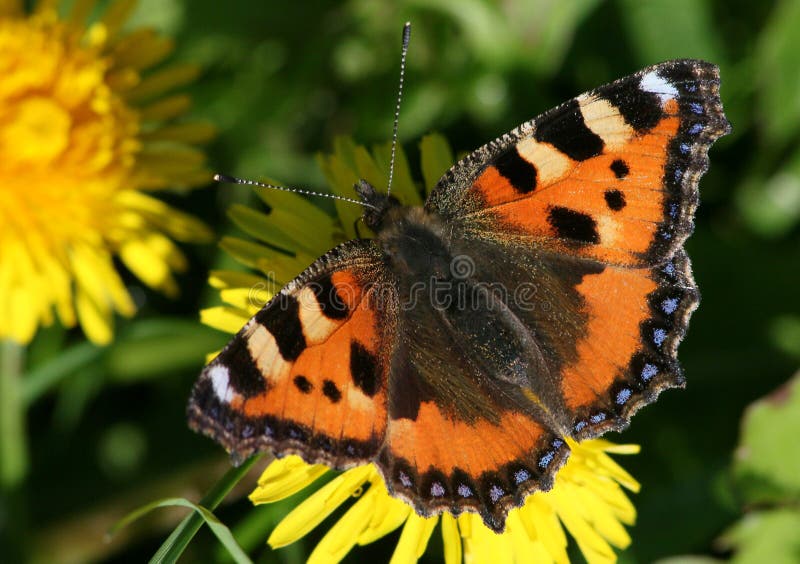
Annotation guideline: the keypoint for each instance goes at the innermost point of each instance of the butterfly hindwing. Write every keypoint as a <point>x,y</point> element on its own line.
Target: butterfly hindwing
<point>308,373</point>
<point>463,434</point>
<point>636,317</point>
<point>441,462</point>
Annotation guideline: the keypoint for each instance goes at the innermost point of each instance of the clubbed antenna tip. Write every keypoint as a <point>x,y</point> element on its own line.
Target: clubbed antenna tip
<point>403,53</point>
<point>227,179</point>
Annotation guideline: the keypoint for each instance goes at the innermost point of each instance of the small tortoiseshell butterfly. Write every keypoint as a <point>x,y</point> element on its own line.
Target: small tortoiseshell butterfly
<point>417,351</point>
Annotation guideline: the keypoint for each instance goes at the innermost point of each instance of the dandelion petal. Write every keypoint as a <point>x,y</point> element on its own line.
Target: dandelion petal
<point>572,514</point>
<point>316,508</point>
<point>451,539</point>
<point>285,477</point>
<point>343,535</point>
<point>224,318</point>
<point>413,539</point>
<point>389,513</point>
<point>484,545</point>
<point>539,516</point>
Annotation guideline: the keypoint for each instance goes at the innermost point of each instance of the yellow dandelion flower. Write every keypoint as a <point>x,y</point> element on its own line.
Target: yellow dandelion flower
<point>86,132</point>
<point>587,501</point>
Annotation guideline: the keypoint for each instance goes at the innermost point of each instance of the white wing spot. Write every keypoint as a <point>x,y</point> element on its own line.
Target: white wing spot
<point>220,382</point>
<point>655,84</point>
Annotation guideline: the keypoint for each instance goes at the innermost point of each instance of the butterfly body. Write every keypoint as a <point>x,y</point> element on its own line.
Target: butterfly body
<point>539,294</point>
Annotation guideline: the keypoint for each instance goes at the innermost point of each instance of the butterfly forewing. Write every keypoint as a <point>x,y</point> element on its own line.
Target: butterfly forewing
<point>307,374</point>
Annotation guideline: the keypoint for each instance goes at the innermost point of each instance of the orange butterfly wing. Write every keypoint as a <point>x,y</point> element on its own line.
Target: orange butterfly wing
<point>308,374</point>
<point>440,462</point>
<point>610,180</point>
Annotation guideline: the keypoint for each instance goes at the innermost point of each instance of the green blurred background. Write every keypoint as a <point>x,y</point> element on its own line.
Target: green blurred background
<point>280,81</point>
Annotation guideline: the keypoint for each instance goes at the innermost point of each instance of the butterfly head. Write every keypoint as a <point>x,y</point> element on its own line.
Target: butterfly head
<point>376,205</point>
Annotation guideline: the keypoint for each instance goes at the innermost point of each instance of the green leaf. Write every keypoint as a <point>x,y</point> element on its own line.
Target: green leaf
<point>13,433</point>
<point>765,536</point>
<point>250,531</point>
<point>437,158</point>
<point>785,334</point>
<point>484,27</point>
<point>771,206</point>
<point>301,206</point>
<point>283,228</point>
<point>45,376</point>
<point>154,347</point>
<point>179,539</point>
<point>75,394</point>
<point>403,186</point>
<point>222,532</point>
<point>688,559</point>
<point>340,171</point>
<point>368,169</point>
<point>767,464</point>
<point>551,26</point>
<point>670,29</point>
<point>776,57</point>
<point>143,349</point>
<point>266,259</point>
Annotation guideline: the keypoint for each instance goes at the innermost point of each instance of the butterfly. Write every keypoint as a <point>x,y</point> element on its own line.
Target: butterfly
<point>539,294</point>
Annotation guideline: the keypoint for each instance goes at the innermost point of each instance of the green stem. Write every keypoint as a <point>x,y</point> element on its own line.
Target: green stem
<point>13,441</point>
<point>42,379</point>
<point>176,543</point>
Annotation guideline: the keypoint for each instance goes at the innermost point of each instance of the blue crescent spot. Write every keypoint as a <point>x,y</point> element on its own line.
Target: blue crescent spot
<point>464,490</point>
<point>521,475</point>
<point>598,418</point>
<point>648,372</point>
<point>404,479</point>
<point>437,489</point>
<point>669,305</point>
<point>623,396</point>
<point>496,492</point>
<point>696,128</point>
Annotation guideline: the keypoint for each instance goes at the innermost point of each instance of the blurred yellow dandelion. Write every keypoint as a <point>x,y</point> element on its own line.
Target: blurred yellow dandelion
<point>587,501</point>
<point>85,134</point>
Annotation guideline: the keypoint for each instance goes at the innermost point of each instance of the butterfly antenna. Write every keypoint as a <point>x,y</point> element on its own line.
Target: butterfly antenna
<point>234,180</point>
<point>403,53</point>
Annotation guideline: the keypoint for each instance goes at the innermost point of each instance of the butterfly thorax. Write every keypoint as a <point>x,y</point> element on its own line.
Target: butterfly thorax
<point>411,236</point>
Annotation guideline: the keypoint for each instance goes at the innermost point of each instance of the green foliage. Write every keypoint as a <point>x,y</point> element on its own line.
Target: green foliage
<point>765,536</point>
<point>766,472</point>
<point>766,468</point>
<point>222,532</point>
<point>176,543</point>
